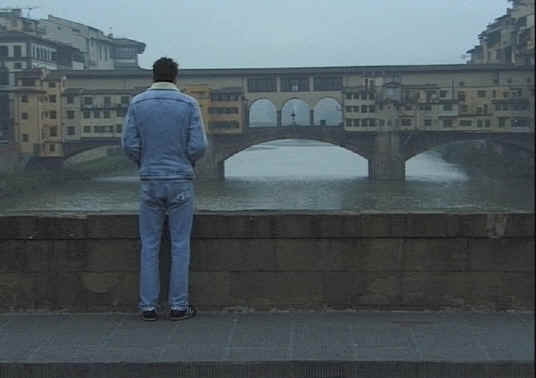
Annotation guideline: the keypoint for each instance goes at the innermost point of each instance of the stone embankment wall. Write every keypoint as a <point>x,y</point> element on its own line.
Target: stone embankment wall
<point>266,260</point>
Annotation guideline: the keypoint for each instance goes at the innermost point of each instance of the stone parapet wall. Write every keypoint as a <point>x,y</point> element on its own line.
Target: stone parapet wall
<point>278,260</point>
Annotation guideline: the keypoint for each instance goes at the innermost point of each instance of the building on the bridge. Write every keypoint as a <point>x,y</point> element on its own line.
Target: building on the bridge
<point>83,108</point>
<point>509,39</point>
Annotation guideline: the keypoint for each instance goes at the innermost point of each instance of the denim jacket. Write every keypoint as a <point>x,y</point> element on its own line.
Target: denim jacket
<point>163,133</point>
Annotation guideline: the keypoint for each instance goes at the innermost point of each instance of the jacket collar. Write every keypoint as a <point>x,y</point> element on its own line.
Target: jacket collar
<point>164,85</point>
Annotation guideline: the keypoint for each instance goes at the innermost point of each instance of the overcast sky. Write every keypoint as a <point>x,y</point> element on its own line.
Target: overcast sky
<point>287,33</point>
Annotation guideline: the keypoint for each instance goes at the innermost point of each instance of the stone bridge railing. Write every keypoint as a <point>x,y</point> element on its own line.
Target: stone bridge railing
<point>278,260</point>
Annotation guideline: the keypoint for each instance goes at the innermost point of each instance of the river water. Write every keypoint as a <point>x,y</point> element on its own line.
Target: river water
<point>303,175</point>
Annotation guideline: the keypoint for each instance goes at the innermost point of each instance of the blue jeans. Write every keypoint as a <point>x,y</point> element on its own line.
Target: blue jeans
<point>158,198</point>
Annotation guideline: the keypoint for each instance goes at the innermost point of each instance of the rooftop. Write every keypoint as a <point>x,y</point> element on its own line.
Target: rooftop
<point>334,70</point>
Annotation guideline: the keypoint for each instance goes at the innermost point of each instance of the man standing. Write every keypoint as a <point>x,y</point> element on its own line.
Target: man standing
<point>164,136</point>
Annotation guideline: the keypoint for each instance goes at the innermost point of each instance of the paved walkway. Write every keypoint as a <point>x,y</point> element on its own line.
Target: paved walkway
<point>408,343</point>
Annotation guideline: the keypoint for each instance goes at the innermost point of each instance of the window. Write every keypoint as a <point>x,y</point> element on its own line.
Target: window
<point>121,112</point>
<point>52,114</point>
<point>54,131</point>
<point>487,123</point>
<point>506,94</point>
<point>70,114</point>
<point>107,100</point>
<point>348,96</point>
<point>96,114</point>
<point>481,93</point>
<point>448,123</point>
<point>25,138</point>
<point>28,82</point>
<point>355,109</point>
<point>494,93</point>
<point>328,83</point>
<point>4,77</point>
<point>87,129</point>
<point>70,130</point>
<point>52,147</point>
<point>52,84</point>
<point>125,100</point>
<point>443,94</point>
<point>348,122</point>
<point>24,115</point>
<point>24,98</point>
<point>406,121</point>
<point>461,96</point>
<point>465,109</point>
<point>118,128</point>
<point>466,123</point>
<point>70,99</point>
<point>52,98</point>
<point>372,108</point>
<point>520,122</point>
<point>17,51</point>
<point>106,114</point>
<point>502,122</point>
<point>87,114</point>
<point>348,109</point>
<point>364,122</point>
<point>18,66</point>
<point>479,123</point>
<point>447,107</point>
<point>461,83</point>
<point>356,96</point>
<point>427,122</point>
<point>364,108</point>
<point>357,122</point>
<point>88,100</point>
<point>372,121</point>
<point>4,51</point>
<point>261,84</point>
<point>294,84</point>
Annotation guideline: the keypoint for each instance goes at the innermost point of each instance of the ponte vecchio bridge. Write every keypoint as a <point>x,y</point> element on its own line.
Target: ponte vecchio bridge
<point>386,114</point>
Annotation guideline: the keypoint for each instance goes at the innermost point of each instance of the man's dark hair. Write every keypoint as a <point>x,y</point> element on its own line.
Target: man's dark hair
<point>165,69</point>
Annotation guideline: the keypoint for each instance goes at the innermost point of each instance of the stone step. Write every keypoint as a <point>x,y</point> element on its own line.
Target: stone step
<point>266,345</point>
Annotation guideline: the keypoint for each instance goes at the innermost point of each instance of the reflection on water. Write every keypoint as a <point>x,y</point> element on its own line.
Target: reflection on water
<point>298,175</point>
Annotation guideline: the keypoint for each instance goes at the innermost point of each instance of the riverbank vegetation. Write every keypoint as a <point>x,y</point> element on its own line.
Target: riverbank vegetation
<point>24,182</point>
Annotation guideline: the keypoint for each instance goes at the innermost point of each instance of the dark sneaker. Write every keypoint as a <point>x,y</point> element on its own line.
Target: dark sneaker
<point>183,314</point>
<point>149,316</point>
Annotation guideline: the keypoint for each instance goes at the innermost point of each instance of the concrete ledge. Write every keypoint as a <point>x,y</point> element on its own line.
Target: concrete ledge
<point>269,345</point>
<point>297,369</point>
<point>278,260</point>
<point>255,225</point>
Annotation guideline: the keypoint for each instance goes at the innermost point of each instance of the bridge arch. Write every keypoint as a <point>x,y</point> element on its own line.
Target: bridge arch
<point>262,113</point>
<point>416,143</point>
<point>297,112</point>
<point>327,112</point>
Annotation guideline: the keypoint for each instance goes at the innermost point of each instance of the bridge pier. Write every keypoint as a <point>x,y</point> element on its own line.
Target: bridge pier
<point>210,166</point>
<point>9,158</point>
<point>387,162</point>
